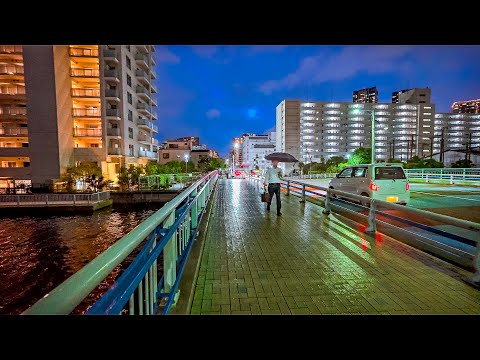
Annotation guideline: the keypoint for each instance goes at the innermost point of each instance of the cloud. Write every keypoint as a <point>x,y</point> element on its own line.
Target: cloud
<point>205,51</point>
<point>259,49</point>
<point>340,65</point>
<point>213,113</point>
<point>164,55</point>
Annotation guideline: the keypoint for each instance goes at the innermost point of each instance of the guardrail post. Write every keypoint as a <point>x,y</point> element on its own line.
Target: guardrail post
<point>476,265</point>
<point>423,171</point>
<point>372,225</point>
<point>328,208</point>
<point>464,173</point>
<point>46,200</point>
<point>74,198</point>
<point>18,200</point>
<point>426,178</point>
<point>288,187</point>
<point>170,256</point>
<point>451,179</point>
<point>303,193</point>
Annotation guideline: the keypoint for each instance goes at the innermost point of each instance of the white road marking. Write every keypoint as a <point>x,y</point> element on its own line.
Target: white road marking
<point>455,197</point>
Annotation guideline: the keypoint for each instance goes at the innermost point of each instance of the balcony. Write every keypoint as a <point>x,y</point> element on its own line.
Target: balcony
<point>113,114</point>
<point>91,154</point>
<point>87,113</point>
<point>12,92</point>
<point>86,93</point>
<point>114,132</point>
<point>154,141</point>
<point>84,73</point>
<point>13,112</point>
<point>110,56</point>
<point>87,132</point>
<point>111,75</point>
<point>142,61</point>
<point>112,95</point>
<point>144,123</point>
<point>11,49</point>
<point>145,109</point>
<point>142,77</point>
<point>114,151</point>
<point>13,132</point>
<point>142,48</point>
<point>153,90</point>
<point>145,95</point>
<point>14,152</point>
<point>146,154</point>
<point>83,52</point>
<point>11,69</point>
<point>153,74</point>
<point>143,138</point>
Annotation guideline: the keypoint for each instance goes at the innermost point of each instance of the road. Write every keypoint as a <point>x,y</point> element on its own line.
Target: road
<point>458,201</point>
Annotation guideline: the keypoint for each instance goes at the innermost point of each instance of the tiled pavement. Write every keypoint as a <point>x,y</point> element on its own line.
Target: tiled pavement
<point>306,263</point>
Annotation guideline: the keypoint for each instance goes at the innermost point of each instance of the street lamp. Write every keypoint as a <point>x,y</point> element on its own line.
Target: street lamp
<point>186,162</point>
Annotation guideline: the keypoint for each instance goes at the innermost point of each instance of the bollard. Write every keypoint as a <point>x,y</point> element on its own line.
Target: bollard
<point>327,209</point>
<point>451,179</point>
<point>372,226</point>
<point>303,194</point>
<point>288,187</point>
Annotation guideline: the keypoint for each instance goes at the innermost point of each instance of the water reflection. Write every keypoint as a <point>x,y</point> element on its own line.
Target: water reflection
<point>37,253</point>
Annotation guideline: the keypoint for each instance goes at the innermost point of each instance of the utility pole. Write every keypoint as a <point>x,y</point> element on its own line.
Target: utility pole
<point>442,144</point>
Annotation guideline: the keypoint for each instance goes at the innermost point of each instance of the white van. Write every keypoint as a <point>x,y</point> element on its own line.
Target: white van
<point>386,182</point>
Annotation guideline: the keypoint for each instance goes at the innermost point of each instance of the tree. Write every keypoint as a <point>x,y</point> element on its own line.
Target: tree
<point>360,156</point>
<point>128,178</point>
<point>88,174</point>
<point>209,164</point>
<point>335,160</point>
<point>153,168</point>
<point>463,164</point>
<point>174,167</point>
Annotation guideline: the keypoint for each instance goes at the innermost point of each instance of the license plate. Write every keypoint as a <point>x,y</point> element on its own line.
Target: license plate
<point>392,198</point>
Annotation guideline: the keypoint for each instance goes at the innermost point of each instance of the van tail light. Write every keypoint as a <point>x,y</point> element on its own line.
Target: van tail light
<point>407,186</point>
<point>373,186</point>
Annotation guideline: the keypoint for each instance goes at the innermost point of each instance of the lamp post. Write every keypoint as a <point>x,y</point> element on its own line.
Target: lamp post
<point>186,162</point>
<point>235,146</point>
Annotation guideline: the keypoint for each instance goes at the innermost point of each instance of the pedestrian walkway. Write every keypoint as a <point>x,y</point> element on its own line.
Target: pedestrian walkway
<point>255,262</point>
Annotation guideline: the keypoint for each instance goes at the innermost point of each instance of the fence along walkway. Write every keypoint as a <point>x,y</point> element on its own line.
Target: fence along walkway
<point>304,262</point>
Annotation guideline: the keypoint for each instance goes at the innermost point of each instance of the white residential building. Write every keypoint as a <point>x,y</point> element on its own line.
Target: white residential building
<point>311,131</point>
<point>255,148</point>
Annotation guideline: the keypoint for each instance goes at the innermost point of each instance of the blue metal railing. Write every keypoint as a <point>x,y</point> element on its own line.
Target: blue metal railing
<point>149,284</point>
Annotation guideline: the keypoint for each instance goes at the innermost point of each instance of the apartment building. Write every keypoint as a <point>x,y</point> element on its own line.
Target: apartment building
<point>255,148</point>
<point>456,131</point>
<point>236,151</point>
<point>312,131</point>
<point>412,96</point>
<point>367,95</point>
<point>466,107</point>
<point>175,149</point>
<point>65,105</point>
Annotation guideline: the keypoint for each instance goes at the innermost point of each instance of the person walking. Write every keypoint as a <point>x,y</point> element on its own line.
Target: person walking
<point>272,178</point>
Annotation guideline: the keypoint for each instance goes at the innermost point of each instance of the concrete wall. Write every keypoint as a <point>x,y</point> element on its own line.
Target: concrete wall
<point>63,85</point>
<point>142,197</point>
<point>42,113</point>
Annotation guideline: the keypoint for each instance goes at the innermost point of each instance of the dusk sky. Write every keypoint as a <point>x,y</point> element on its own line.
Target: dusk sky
<point>219,92</point>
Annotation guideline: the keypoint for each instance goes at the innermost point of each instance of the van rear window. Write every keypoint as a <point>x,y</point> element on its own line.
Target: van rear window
<point>393,172</point>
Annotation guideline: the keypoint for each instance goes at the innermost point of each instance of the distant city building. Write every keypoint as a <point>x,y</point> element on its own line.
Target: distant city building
<point>197,155</point>
<point>466,107</point>
<point>367,95</point>
<point>312,131</point>
<point>195,140</point>
<point>213,154</point>
<point>199,147</point>
<point>66,105</point>
<point>412,96</point>
<point>175,149</point>
<point>236,151</point>
<point>255,148</point>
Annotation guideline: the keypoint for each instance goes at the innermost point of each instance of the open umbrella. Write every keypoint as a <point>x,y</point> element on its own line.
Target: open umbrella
<point>281,157</point>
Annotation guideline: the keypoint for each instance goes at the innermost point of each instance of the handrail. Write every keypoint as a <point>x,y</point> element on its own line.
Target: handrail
<point>434,216</point>
<point>69,294</point>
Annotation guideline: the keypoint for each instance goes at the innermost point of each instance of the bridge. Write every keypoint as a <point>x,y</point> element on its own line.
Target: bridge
<point>217,243</point>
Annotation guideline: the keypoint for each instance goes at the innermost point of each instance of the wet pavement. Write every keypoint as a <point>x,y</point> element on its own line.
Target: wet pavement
<point>255,262</point>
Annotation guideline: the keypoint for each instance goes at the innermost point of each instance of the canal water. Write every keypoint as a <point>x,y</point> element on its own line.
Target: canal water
<point>38,252</point>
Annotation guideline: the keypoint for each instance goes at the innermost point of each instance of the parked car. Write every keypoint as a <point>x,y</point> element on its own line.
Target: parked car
<point>386,182</point>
